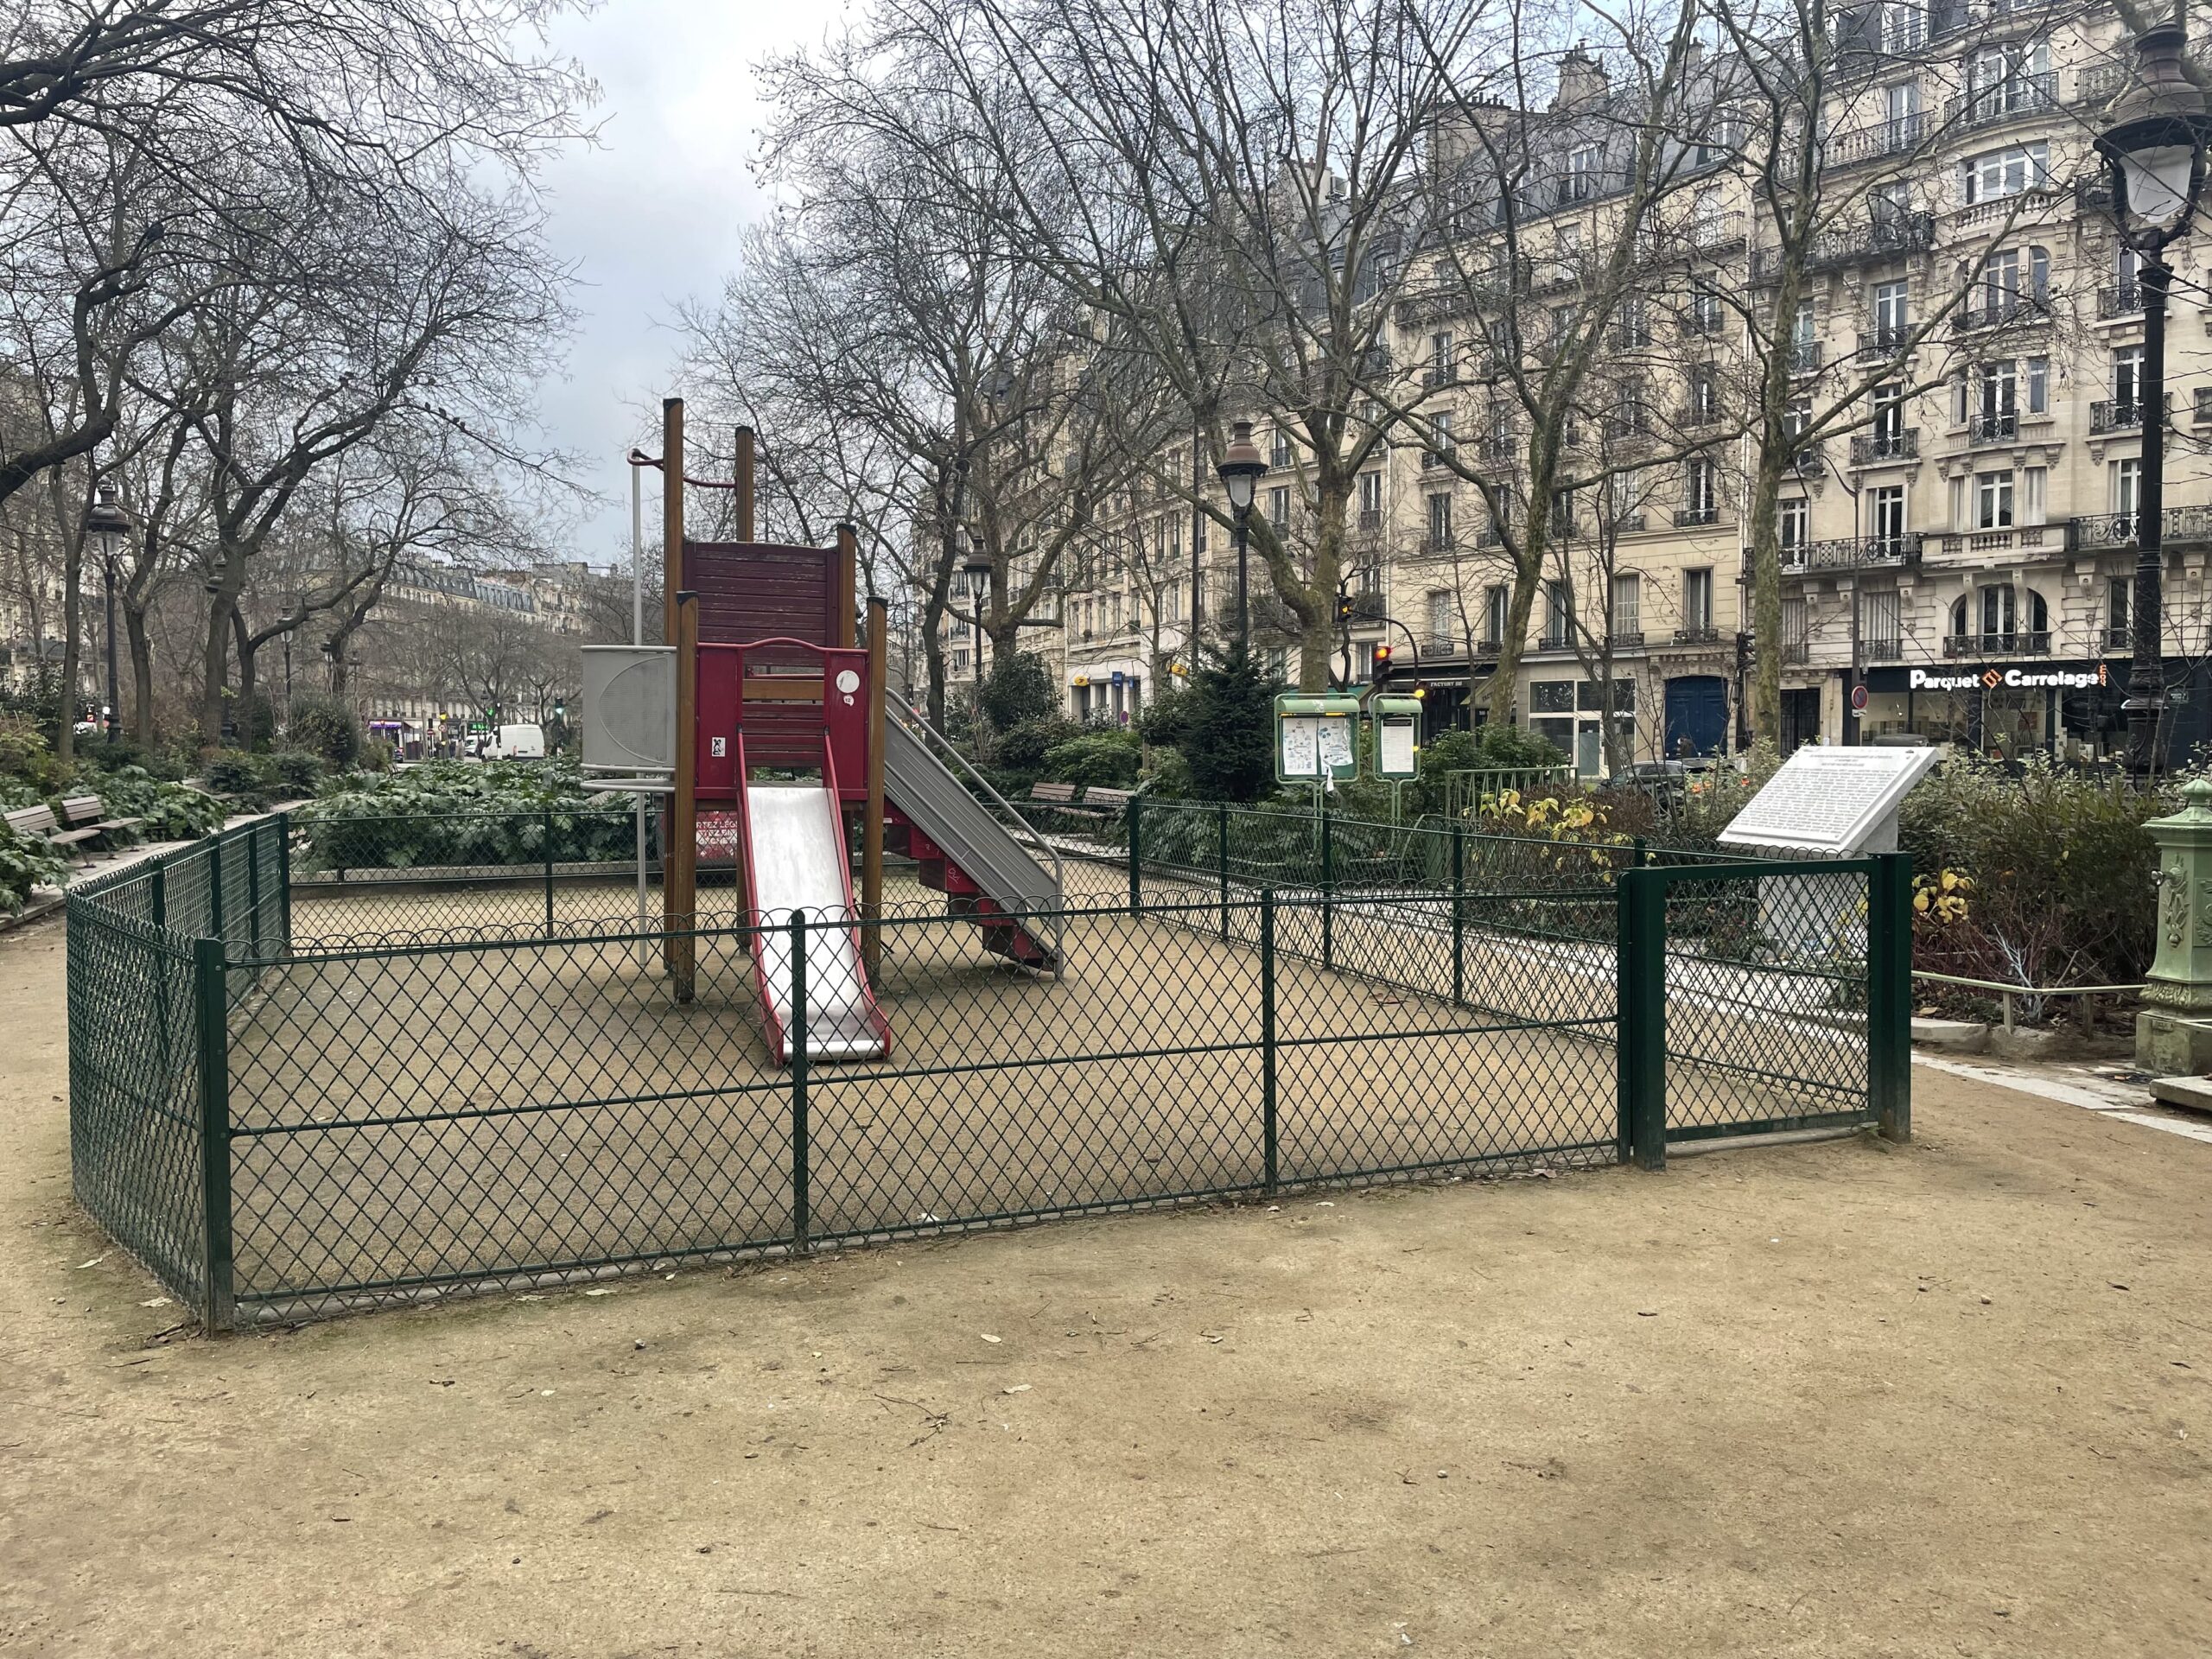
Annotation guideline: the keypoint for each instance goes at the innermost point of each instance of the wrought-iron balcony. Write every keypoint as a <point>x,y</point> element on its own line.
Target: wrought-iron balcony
<point>1439,375</point>
<point>2017,643</point>
<point>1433,461</point>
<point>1888,235</point>
<point>2010,99</point>
<point>1999,428</point>
<point>2003,308</point>
<point>1628,638</point>
<point>2120,300</point>
<point>1370,520</point>
<point>2100,83</point>
<point>1807,460</point>
<point>1690,517</point>
<point>1697,636</point>
<point>1873,142</point>
<point>1629,422</point>
<point>1880,649</point>
<point>1497,446</point>
<point>1851,553</point>
<point>1804,356</point>
<point>2118,415</point>
<point>1885,341</point>
<point>1797,652</point>
<point>2121,638</point>
<point>1878,448</point>
<point>2118,530</point>
<point>1488,537</point>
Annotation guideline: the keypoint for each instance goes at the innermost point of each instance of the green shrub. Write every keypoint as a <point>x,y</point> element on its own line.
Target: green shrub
<point>459,812</point>
<point>1231,744</point>
<point>1167,775</point>
<point>324,725</point>
<point>296,773</point>
<point>241,777</point>
<point>1106,758</point>
<point>1166,718</point>
<point>1511,745</point>
<point>1019,690</point>
<point>26,863</point>
<point>170,810</point>
<point>1022,749</point>
<point>26,757</point>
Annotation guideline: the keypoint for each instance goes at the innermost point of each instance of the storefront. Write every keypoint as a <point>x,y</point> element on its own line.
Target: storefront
<point>2070,710</point>
<point>1111,696</point>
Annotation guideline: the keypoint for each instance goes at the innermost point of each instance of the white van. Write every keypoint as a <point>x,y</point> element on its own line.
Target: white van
<point>517,743</point>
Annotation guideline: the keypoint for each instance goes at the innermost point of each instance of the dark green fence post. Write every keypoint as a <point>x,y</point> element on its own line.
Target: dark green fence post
<point>1641,853</point>
<point>253,889</point>
<point>1889,995</point>
<point>209,1004</point>
<point>215,885</point>
<point>1328,885</point>
<point>160,900</point>
<point>795,1039</point>
<point>284,880</point>
<point>548,872</point>
<point>1221,837</point>
<point>1136,853</point>
<point>160,893</point>
<point>1268,1137</point>
<point>1458,915</point>
<point>1640,1039</point>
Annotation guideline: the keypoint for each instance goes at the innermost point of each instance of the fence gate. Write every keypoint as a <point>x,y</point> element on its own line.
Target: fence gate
<point>1766,997</point>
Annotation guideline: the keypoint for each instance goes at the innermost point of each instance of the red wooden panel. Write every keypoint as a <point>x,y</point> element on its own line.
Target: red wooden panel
<point>758,590</point>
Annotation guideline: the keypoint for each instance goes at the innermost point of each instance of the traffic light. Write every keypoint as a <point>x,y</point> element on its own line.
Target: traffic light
<point>1381,661</point>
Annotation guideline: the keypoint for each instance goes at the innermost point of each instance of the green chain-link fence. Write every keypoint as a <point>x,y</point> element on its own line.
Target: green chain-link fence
<point>295,1090</point>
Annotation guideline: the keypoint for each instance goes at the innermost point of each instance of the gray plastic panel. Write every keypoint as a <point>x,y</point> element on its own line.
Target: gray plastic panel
<point>629,707</point>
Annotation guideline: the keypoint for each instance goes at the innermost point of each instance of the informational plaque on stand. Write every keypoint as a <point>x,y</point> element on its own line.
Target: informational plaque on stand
<point>1831,803</point>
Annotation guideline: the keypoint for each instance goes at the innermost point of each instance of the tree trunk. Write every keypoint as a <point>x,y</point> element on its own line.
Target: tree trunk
<point>142,669</point>
<point>215,669</point>
<point>72,644</point>
<point>242,636</point>
<point>1316,644</point>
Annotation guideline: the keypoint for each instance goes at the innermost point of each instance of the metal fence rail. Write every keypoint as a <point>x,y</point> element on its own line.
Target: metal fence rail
<point>293,1094</point>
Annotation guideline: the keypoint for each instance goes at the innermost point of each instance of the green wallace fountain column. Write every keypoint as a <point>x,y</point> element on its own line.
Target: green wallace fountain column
<point>2174,1034</point>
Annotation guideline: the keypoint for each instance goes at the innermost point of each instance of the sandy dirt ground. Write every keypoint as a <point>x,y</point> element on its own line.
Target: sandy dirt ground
<point>1838,1398</point>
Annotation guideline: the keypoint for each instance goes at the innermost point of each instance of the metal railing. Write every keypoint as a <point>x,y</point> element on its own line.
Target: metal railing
<point>2120,528</point>
<point>1851,553</point>
<point>1873,449</point>
<point>2010,99</point>
<point>2016,642</point>
<point>287,1106</point>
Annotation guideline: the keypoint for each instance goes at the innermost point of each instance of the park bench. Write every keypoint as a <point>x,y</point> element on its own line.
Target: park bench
<point>86,815</point>
<point>1060,795</point>
<point>1108,802</point>
<point>86,812</point>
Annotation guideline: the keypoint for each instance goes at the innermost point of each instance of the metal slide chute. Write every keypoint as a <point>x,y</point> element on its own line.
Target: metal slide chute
<point>795,858</point>
<point>981,865</point>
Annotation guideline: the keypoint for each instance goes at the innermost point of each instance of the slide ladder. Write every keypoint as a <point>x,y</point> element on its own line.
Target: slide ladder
<point>969,852</point>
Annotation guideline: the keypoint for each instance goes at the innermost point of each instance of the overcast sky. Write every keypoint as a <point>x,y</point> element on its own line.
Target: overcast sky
<point>654,213</point>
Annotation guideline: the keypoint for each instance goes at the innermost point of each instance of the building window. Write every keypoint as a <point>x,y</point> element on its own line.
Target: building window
<point>1705,311</point>
<point>1628,606</point>
<point>2128,491</point>
<point>1278,507</point>
<point>1438,609</point>
<point>1440,522</point>
<point>1881,621</point>
<point>1705,396</point>
<point>1993,501</point>
<point>1439,356</point>
<point>1635,324</point>
<point>1279,456</point>
<point>1796,627</point>
<point>1697,599</point>
<point>1889,325</point>
<point>2119,598</point>
<point>1886,517</point>
<point>1370,500</point>
<point>1497,604</point>
<point>1793,522</point>
<point>2012,171</point>
<point>1552,697</point>
<point>2127,376</point>
<point>1700,504</point>
<point>1558,612</point>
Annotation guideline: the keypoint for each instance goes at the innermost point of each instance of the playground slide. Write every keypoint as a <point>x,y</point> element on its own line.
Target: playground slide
<point>796,856</point>
<point>926,791</point>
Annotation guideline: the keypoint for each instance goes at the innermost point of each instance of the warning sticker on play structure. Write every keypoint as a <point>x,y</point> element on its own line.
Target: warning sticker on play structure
<point>1301,738</point>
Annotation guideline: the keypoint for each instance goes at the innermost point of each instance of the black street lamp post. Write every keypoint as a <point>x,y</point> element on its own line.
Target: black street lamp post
<point>107,525</point>
<point>1241,470</point>
<point>2155,151</point>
